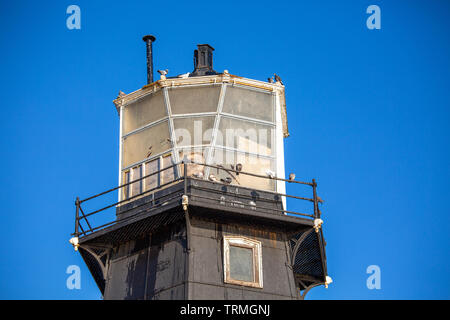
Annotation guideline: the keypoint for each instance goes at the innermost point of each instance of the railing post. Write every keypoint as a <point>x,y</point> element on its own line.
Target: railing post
<point>316,205</point>
<point>185,175</point>
<point>77,216</point>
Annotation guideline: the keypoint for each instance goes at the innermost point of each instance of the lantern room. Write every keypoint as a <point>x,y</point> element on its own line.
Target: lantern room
<point>204,117</point>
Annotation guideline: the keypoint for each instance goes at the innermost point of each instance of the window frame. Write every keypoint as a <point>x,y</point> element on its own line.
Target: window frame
<point>135,187</point>
<point>247,243</point>
<point>161,179</point>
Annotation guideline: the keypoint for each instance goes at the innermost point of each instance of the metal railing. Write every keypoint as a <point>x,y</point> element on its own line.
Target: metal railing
<point>81,216</point>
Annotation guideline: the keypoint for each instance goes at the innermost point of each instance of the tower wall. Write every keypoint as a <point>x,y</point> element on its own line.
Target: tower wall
<point>207,262</point>
<point>155,266</point>
<point>152,267</point>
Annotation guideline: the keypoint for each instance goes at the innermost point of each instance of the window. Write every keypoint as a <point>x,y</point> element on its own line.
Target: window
<point>145,144</point>
<point>151,181</point>
<point>242,261</point>
<point>197,156</point>
<point>193,130</point>
<point>250,163</point>
<point>246,136</point>
<point>136,186</point>
<point>194,99</point>
<point>167,175</point>
<point>249,103</point>
<point>144,111</point>
<point>126,189</point>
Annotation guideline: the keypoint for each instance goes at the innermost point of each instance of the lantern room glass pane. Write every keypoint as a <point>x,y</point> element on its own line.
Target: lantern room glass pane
<point>167,175</point>
<point>249,103</point>
<point>241,263</point>
<point>250,163</point>
<point>152,181</point>
<point>125,189</point>
<point>246,136</point>
<point>197,156</point>
<point>194,99</point>
<point>136,186</point>
<point>146,143</point>
<point>193,130</point>
<point>144,111</point>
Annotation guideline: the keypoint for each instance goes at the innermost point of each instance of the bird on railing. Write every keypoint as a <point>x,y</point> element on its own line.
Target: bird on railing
<point>198,175</point>
<point>238,168</point>
<point>163,73</point>
<point>292,176</point>
<point>270,174</point>
<point>212,178</point>
<point>184,75</point>
<point>227,180</point>
<point>277,78</point>
<point>319,199</point>
<point>229,172</point>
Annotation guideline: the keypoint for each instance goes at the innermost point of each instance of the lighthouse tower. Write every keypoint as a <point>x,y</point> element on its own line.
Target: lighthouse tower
<point>201,209</point>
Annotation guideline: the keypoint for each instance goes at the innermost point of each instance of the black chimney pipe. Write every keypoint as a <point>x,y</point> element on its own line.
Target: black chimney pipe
<point>149,39</point>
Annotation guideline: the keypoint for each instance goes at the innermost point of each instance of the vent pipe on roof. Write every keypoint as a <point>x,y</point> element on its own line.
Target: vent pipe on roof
<point>149,39</point>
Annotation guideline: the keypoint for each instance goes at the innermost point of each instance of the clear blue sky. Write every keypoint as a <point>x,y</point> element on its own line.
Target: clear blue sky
<point>368,114</point>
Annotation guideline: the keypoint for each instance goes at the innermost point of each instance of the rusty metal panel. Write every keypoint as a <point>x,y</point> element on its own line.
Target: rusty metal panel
<point>207,257</point>
<point>201,291</point>
<point>125,277</point>
<point>148,267</point>
<point>166,266</point>
<point>207,262</point>
<point>176,293</point>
